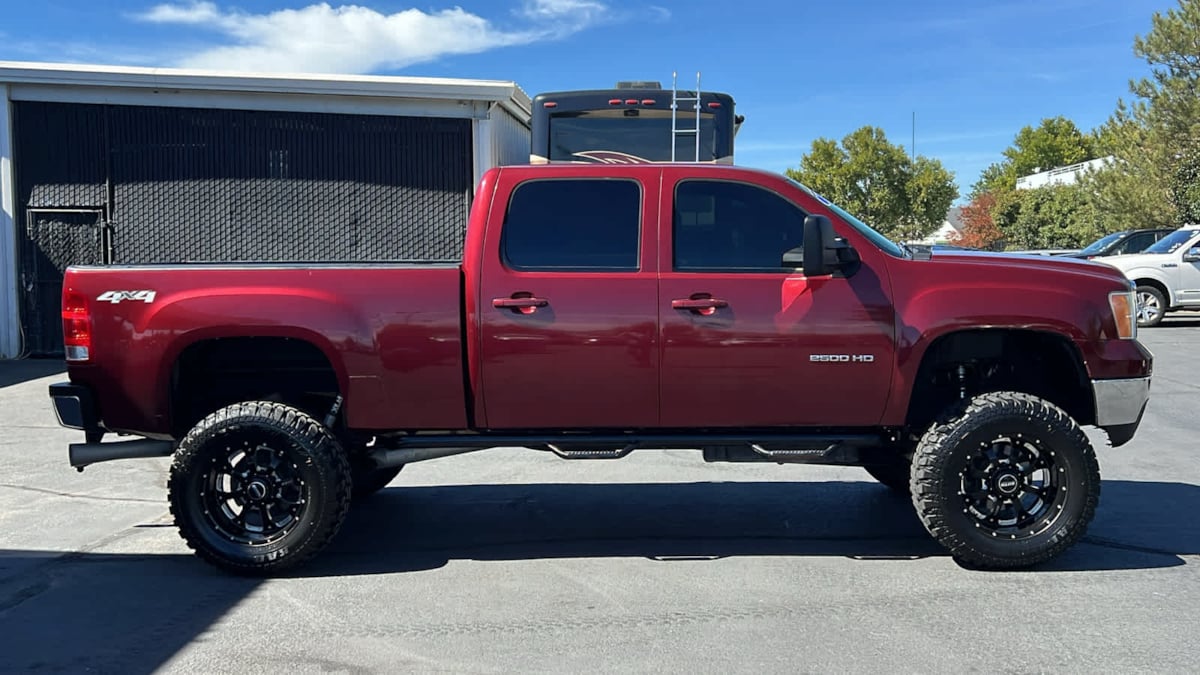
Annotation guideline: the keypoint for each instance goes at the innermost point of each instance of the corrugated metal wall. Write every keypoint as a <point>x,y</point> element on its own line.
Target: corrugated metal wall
<point>184,184</point>
<point>510,137</point>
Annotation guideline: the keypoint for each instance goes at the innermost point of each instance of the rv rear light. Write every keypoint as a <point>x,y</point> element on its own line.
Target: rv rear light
<point>631,101</point>
<point>714,105</point>
<point>77,326</point>
<point>614,101</point>
<point>549,104</point>
<point>647,101</point>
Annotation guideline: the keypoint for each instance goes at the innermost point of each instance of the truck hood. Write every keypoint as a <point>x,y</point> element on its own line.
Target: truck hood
<point>1041,263</point>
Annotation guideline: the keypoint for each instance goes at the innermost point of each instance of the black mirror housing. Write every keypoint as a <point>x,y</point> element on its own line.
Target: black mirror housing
<point>824,252</point>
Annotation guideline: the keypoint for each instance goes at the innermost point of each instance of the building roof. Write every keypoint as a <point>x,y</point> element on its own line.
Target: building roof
<point>954,217</point>
<point>506,93</point>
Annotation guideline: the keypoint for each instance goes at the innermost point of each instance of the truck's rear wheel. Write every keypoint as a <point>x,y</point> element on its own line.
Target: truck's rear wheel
<point>1008,480</point>
<point>259,487</point>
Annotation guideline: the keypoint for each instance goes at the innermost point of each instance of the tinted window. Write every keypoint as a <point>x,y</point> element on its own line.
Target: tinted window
<point>1102,243</point>
<point>598,135</point>
<point>733,226</point>
<point>573,225</point>
<point>1137,243</point>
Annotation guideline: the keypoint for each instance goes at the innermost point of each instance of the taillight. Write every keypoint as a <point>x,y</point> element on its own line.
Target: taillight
<point>77,326</point>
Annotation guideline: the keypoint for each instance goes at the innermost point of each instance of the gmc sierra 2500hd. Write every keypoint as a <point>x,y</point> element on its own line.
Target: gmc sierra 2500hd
<point>600,310</point>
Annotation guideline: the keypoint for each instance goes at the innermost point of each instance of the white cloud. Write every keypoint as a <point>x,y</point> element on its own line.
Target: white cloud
<point>558,9</point>
<point>354,39</point>
<point>198,12</point>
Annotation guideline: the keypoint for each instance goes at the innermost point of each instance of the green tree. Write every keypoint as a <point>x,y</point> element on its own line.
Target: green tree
<point>878,182</point>
<point>1154,138</point>
<point>1055,142</point>
<point>1185,188</point>
<point>1058,216</point>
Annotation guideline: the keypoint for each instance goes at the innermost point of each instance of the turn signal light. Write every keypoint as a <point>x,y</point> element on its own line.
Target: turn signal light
<point>1124,309</point>
<point>77,326</point>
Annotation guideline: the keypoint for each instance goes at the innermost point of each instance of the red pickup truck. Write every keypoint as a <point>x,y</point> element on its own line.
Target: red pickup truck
<point>600,310</point>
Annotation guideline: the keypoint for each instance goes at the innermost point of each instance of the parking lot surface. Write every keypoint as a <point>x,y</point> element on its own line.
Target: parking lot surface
<point>513,560</point>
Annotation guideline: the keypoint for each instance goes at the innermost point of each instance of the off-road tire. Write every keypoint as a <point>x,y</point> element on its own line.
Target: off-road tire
<point>369,479</point>
<point>1162,306</point>
<point>943,470</point>
<point>894,475</point>
<point>290,443</point>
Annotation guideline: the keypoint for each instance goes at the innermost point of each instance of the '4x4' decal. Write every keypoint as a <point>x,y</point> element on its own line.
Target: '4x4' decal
<point>119,296</point>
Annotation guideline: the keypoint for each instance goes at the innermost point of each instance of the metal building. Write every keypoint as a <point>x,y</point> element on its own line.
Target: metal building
<point>108,165</point>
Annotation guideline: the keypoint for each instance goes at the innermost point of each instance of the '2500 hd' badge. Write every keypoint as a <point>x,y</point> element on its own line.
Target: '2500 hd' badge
<point>120,296</point>
<point>841,358</point>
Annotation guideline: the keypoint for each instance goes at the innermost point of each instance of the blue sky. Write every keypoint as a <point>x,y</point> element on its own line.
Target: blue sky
<point>974,72</point>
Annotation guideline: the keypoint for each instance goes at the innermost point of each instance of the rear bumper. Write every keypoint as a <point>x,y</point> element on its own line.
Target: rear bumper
<point>1120,405</point>
<point>75,407</point>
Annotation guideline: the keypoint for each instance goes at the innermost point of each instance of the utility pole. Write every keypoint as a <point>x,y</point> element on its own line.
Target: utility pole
<point>913,147</point>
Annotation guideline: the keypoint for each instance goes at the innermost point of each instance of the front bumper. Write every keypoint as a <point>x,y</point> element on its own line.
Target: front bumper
<point>1120,405</point>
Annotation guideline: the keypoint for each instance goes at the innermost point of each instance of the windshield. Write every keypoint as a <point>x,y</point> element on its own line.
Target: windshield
<point>625,136</point>
<point>1101,243</point>
<point>1172,242</point>
<point>887,245</point>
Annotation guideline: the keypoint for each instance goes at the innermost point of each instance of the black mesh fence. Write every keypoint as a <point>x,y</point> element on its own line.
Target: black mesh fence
<point>182,184</point>
<point>62,238</point>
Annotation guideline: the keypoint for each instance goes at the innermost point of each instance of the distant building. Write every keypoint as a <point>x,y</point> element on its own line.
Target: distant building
<point>951,227</point>
<point>1063,175</point>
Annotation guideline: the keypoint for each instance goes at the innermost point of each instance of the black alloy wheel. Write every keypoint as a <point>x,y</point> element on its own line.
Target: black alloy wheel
<point>1005,480</point>
<point>259,487</point>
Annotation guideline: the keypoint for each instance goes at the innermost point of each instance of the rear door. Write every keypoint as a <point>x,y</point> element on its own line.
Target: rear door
<point>568,303</point>
<point>747,342</point>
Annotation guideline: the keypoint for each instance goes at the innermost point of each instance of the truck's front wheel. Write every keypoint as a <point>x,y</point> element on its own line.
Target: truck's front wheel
<point>259,487</point>
<point>1008,480</point>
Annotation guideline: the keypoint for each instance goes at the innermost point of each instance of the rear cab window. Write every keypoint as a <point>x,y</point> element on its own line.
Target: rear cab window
<point>573,225</point>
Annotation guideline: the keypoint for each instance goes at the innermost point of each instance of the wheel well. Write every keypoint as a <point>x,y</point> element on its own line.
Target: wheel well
<point>974,362</point>
<point>212,374</point>
<point>1159,285</point>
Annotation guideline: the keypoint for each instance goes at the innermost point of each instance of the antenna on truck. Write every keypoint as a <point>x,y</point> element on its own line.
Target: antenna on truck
<point>676,99</point>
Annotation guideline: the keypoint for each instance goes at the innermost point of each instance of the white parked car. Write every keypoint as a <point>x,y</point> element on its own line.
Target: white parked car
<point>1167,274</point>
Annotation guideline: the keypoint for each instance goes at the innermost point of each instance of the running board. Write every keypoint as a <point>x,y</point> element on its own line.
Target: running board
<point>833,448</point>
<point>592,453</point>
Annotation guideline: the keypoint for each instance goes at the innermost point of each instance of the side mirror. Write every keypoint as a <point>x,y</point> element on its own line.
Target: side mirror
<point>1193,254</point>
<point>824,252</point>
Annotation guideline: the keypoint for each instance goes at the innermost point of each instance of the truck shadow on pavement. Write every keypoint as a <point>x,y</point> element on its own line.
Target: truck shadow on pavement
<point>24,370</point>
<point>133,612</point>
<point>1139,525</point>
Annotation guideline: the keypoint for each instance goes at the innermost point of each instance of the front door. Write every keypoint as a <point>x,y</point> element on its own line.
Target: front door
<point>747,342</point>
<point>569,322</point>
<point>1189,275</point>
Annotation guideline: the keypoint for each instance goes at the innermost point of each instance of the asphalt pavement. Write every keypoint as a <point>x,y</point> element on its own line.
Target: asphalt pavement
<point>516,561</point>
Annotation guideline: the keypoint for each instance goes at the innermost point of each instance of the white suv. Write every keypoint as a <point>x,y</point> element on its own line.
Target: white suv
<point>1167,274</point>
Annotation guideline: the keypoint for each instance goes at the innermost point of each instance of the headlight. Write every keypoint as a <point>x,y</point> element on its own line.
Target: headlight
<point>1124,309</point>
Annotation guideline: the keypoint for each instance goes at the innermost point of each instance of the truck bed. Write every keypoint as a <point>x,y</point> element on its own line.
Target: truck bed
<point>392,332</point>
